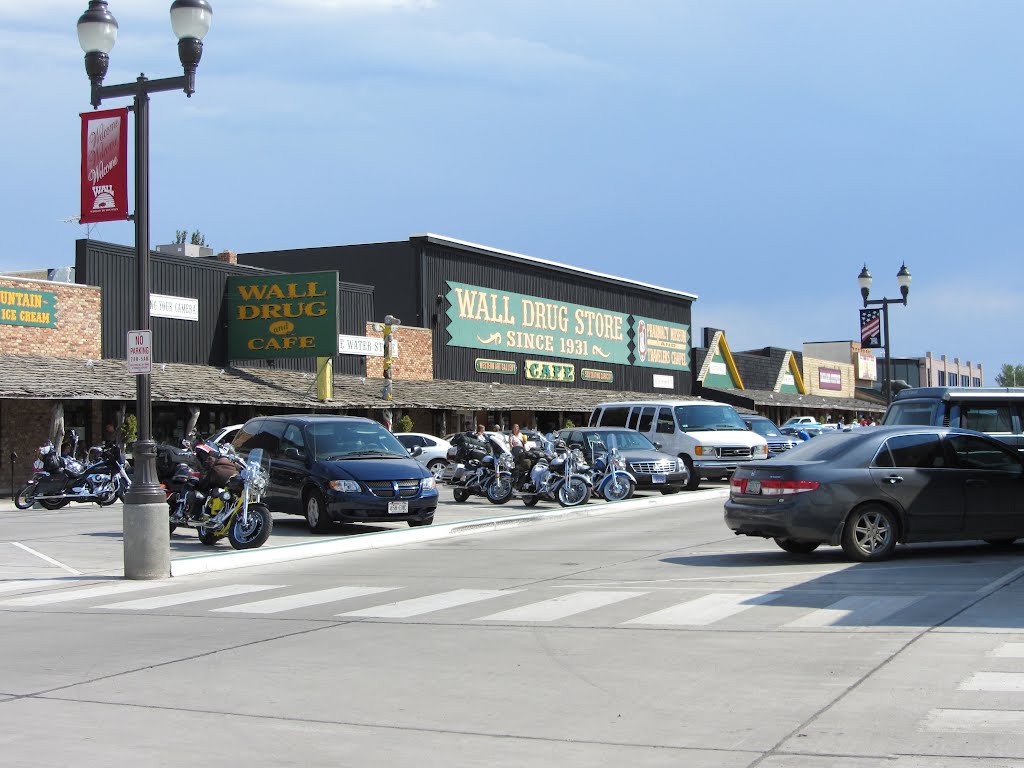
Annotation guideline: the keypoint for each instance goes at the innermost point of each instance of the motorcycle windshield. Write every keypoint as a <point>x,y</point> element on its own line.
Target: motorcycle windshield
<point>255,458</point>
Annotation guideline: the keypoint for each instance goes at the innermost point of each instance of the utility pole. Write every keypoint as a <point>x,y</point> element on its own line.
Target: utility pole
<point>390,323</point>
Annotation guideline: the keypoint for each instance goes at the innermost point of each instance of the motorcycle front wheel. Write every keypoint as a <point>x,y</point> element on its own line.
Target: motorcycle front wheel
<point>26,497</point>
<point>573,492</point>
<point>253,534</point>
<point>499,490</point>
<point>460,494</point>
<point>622,488</point>
<point>206,537</point>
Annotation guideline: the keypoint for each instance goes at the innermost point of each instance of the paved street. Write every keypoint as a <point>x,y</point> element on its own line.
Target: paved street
<point>648,637</point>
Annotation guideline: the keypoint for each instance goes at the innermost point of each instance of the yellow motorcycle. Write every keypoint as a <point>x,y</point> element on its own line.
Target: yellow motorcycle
<point>234,511</point>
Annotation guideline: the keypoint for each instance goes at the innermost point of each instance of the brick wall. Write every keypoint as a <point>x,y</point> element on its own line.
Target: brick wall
<point>78,322</point>
<point>24,426</point>
<point>415,361</point>
<point>811,379</point>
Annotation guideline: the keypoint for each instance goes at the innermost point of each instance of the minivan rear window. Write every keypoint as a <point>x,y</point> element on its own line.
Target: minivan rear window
<point>615,416</point>
<point>912,414</point>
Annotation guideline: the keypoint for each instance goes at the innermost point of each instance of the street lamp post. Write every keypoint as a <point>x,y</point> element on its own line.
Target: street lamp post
<point>146,531</point>
<point>864,279</point>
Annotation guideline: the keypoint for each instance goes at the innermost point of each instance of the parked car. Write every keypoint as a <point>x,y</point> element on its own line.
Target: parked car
<point>654,470</point>
<point>797,420</point>
<point>339,468</point>
<point>225,434</point>
<point>433,452</point>
<point>811,430</point>
<point>778,442</point>
<point>709,437</point>
<point>869,489</point>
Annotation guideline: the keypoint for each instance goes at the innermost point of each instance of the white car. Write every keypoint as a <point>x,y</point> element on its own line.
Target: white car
<point>434,450</point>
<point>225,434</point>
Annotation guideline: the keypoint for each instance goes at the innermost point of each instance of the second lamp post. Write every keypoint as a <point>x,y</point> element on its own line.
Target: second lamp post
<point>903,278</point>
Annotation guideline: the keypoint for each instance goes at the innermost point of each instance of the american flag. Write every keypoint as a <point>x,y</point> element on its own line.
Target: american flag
<point>870,329</point>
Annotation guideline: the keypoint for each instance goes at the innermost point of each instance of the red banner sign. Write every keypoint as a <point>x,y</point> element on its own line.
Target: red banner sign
<point>105,166</point>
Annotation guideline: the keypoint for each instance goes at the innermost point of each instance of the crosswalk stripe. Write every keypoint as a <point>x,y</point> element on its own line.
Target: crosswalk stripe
<point>705,610</point>
<point>302,600</point>
<point>996,721</point>
<point>994,681</point>
<point>63,596</point>
<point>11,586</point>
<point>420,605</point>
<point>193,596</point>
<point>1010,651</point>
<point>562,606</point>
<point>858,610</point>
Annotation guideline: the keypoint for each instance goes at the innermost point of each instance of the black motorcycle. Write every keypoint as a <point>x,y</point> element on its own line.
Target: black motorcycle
<point>59,480</point>
<point>475,465</point>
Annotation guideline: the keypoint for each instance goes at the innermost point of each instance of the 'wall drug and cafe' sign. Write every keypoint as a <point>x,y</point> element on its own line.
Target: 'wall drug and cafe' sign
<point>283,316</point>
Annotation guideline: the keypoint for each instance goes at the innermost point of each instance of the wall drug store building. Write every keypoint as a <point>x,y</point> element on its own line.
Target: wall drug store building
<point>487,335</point>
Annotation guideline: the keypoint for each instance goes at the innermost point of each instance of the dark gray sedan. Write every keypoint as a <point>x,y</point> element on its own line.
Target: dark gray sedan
<point>654,470</point>
<point>869,489</point>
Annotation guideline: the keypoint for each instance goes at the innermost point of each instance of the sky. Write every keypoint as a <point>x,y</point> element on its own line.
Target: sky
<point>756,153</point>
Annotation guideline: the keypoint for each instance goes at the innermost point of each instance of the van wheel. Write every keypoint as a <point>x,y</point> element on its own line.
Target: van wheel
<point>317,517</point>
<point>692,475</point>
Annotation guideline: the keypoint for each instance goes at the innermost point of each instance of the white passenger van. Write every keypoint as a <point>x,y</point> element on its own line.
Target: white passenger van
<point>709,437</point>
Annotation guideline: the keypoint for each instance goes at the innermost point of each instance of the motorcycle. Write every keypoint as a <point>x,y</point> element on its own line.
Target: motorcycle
<point>476,463</point>
<point>551,473</point>
<point>234,511</point>
<point>610,477</point>
<point>59,480</point>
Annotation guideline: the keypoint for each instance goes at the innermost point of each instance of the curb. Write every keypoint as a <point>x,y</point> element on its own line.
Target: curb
<point>223,561</point>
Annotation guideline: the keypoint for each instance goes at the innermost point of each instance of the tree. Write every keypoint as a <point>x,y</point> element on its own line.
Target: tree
<point>1010,375</point>
<point>181,236</point>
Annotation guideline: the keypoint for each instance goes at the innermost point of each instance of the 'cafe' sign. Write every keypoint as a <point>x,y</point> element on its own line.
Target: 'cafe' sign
<point>283,316</point>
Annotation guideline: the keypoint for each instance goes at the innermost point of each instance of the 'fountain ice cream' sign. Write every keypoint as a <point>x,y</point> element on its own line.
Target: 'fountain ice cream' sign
<point>104,166</point>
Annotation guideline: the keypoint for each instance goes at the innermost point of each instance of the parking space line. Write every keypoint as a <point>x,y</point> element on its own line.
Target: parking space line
<point>50,560</point>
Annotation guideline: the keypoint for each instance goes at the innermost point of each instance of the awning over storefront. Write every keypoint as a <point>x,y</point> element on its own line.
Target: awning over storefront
<point>51,378</point>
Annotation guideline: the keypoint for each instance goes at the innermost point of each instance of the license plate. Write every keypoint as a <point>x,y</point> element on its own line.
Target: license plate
<point>658,479</point>
<point>398,507</point>
<point>753,486</point>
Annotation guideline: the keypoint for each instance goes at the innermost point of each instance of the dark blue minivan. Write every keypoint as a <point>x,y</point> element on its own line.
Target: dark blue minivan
<point>339,469</point>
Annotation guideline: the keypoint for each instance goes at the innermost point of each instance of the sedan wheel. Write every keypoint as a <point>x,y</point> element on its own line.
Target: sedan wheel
<point>870,533</point>
<point>437,468</point>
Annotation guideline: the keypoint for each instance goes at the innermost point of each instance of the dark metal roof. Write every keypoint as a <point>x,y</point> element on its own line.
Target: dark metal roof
<point>766,398</point>
<point>54,378</point>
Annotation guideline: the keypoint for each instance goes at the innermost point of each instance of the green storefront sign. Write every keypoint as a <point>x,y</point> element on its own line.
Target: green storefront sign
<point>483,318</point>
<point>35,309</point>
<point>660,344</point>
<point>283,316</point>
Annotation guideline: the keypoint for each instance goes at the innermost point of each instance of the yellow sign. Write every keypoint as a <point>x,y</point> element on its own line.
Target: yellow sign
<point>540,370</point>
